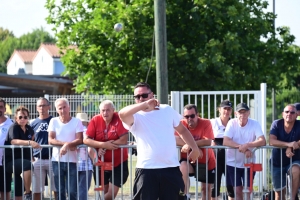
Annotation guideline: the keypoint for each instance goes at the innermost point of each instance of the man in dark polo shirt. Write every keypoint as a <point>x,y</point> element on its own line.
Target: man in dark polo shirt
<point>42,163</point>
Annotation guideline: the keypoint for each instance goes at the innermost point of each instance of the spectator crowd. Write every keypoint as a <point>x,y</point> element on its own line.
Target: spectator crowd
<point>158,131</point>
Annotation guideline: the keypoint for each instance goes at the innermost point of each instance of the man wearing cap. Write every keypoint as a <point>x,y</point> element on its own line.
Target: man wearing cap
<point>42,164</point>
<point>285,134</point>
<point>242,134</point>
<point>297,105</point>
<point>202,133</point>
<point>84,163</point>
<point>105,133</point>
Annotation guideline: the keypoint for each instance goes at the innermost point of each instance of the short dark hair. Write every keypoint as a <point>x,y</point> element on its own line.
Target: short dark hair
<point>3,101</point>
<point>191,106</point>
<point>45,99</point>
<point>23,110</point>
<point>143,84</point>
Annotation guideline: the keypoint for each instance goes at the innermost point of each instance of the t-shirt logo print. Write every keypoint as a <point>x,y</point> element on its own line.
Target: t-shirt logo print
<point>4,130</point>
<point>42,127</point>
<point>29,137</point>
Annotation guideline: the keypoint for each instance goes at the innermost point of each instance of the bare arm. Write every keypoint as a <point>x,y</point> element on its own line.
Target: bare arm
<point>204,142</point>
<point>25,143</point>
<point>189,140</point>
<point>199,143</point>
<point>126,114</point>
<point>99,144</point>
<point>277,143</point>
<point>53,141</point>
<point>229,142</point>
<point>123,140</point>
<point>77,141</point>
<point>261,141</point>
<point>179,141</point>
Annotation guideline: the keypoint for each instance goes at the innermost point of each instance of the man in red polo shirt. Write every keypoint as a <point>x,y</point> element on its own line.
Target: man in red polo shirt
<point>105,133</point>
<point>202,133</point>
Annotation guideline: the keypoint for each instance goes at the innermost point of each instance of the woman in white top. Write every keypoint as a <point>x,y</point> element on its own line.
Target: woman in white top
<point>219,125</point>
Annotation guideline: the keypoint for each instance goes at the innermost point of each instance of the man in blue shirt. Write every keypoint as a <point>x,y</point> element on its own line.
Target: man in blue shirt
<point>285,133</point>
<point>42,157</point>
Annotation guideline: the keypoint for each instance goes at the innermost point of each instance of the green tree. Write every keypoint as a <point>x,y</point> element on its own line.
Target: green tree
<point>29,41</point>
<point>33,40</point>
<point>212,45</point>
<point>5,33</point>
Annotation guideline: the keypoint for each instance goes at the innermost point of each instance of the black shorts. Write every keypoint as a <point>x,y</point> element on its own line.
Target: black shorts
<point>5,180</point>
<point>202,171</point>
<point>18,164</point>
<point>162,184</point>
<point>119,180</point>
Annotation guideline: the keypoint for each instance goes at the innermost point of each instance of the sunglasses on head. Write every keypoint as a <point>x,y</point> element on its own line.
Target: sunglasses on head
<point>21,117</point>
<point>190,116</point>
<point>291,112</point>
<point>138,96</point>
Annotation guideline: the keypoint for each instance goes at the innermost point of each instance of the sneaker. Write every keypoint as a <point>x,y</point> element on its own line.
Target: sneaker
<point>28,196</point>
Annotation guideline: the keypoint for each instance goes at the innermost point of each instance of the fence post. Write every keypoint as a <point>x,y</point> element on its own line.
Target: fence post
<point>175,100</point>
<point>263,89</point>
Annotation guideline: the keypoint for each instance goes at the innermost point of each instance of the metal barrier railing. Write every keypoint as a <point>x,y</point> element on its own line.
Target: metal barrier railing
<point>125,191</point>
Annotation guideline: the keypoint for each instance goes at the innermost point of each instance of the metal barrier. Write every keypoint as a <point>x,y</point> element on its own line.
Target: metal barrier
<point>125,191</point>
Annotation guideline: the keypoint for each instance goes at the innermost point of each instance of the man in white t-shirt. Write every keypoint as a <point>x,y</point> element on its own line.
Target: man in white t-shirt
<point>157,170</point>
<point>5,123</point>
<point>242,134</point>
<point>65,133</point>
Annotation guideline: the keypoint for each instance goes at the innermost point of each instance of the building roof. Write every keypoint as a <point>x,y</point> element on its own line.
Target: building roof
<point>25,55</point>
<point>52,49</point>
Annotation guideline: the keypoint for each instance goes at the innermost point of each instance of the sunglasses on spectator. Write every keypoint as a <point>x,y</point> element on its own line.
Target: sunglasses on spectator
<point>145,95</point>
<point>291,112</point>
<point>192,116</point>
<point>21,117</point>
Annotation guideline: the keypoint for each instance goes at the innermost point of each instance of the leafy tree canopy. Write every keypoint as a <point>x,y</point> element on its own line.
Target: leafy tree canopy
<point>212,45</point>
<point>29,41</point>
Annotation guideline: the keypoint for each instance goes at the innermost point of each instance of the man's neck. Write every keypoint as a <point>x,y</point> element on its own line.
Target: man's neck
<point>288,126</point>
<point>44,116</point>
<point>242,123</point>
<point>2,119</point>
<point>65,119</point>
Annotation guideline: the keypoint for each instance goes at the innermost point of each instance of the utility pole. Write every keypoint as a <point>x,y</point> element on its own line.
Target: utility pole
<point>161,51</point>
<point>274,108</point>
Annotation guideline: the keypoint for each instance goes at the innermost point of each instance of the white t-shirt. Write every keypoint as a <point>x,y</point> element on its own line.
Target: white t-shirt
<point>65,133</point>
<point>3,133</point>
<point>241,135</point>
<point>154,135</point>
<point>218,127</point>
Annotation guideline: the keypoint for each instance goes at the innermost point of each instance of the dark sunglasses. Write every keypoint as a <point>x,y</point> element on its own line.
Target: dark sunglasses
<point>138,96</point>
<point>21,117</point>
<point>190,116</point>
<point>291,112</point>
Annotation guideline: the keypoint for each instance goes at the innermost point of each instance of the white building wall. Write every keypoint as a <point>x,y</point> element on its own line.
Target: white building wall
<point>43,63</point>
<point>28,68</point>
<point>15,63</point>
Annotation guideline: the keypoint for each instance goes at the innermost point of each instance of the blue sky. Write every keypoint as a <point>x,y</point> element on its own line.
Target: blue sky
<point>22,16</point>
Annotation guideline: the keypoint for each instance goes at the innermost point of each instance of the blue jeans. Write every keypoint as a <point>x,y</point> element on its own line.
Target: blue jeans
<point>84,179</point>
<point>279,175</point>
<point>63,178</point>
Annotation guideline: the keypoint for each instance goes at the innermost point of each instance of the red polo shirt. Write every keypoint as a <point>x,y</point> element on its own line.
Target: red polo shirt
<point>98,131</point>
